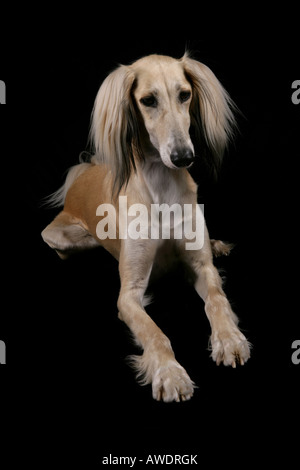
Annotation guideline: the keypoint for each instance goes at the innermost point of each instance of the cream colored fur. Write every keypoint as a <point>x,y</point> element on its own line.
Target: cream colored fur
<point>142,148</point>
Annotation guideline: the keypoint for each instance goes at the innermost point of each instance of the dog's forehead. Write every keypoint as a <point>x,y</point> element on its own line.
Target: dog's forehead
<point>159,72</point>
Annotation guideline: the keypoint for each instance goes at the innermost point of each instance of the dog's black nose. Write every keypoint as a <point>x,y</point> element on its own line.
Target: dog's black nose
<point>182,158</point>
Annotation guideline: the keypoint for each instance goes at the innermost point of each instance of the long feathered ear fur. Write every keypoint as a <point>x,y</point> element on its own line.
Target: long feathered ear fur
<point>114,129</point>
<point>211,108</point>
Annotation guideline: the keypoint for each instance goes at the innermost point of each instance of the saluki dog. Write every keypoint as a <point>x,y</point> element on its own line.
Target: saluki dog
<point>142,149</point>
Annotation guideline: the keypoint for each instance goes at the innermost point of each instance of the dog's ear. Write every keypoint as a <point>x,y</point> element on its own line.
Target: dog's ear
<point>114,129</point>
<point>211,108</point>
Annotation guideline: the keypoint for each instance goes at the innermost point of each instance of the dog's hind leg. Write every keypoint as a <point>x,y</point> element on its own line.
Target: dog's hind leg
<point>66,235</point>
<point>157,364</point>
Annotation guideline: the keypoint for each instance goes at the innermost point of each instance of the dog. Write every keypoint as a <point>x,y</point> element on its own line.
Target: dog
<point>142,150</point>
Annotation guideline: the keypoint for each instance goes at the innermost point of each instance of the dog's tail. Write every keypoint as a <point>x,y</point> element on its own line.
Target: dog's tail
<point>57,198</point>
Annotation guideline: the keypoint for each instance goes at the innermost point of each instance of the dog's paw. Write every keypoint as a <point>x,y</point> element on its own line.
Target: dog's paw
<point>220,248</point>
<point>172,383</point>
<point>230,347</point>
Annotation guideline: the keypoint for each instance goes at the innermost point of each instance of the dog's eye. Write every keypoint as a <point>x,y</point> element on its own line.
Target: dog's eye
<point>149,101</point>
<point>184,96</point>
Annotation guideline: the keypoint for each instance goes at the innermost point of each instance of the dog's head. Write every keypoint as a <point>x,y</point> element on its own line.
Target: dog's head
<point>145,110</point>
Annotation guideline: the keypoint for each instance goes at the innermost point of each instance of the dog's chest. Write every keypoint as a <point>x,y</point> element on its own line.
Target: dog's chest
<point>167,186</point>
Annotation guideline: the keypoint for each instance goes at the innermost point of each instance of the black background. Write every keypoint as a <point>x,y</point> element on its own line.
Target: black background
<point>66,368</point>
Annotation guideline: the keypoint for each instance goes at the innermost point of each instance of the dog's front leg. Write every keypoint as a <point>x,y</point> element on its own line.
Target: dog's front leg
<point>157,364</point>
<point>228,343</point>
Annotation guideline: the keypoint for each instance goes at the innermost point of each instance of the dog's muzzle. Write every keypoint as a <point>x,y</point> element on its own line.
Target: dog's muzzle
<point>182,158</point>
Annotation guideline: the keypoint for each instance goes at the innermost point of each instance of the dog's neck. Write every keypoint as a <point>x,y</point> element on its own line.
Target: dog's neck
<point>164,184</point>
